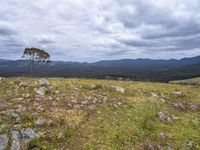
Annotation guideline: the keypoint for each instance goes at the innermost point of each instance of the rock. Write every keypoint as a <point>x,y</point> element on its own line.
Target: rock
<point>15,117</point>
<point>55,103</point>
<point>162,100</point>
<point>28,134</point>
<point>27,95</point>
<point>3,106</point>
<point>154,95</point>
<point>69,105</point>
<point>18,99</point>
<point>93,87</point>
<point>190,145</point>
<point>118,89</point>
<point>168,148</point>
<point>165,135</point>
<point>43,82</point>
<point>115,113</point>
<point>21,109</point>
<point>40,108</point>
<point>24,84</point>
<point>119,103</point>
<point>193,107</point>
<point>178,105</point>
<point>57,92</point>
<point>3,141</point>
<point>49,98</point>
<point>148,145</point>
<point>16,136</point>
<point>177,93</point>
<point>50,123</point>
<point>164,117</point>
<point>84,102</point>
<point>41,91</point>
<point>77,106</point>
<point>40,122</point>
<point>74,101</point>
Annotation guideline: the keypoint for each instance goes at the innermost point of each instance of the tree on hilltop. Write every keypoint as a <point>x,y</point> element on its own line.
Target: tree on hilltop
<point>36,56</point>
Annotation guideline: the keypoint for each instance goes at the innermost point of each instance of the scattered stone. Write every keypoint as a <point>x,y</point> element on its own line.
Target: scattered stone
<point>57,92</point>
<point>27,95</point>
<point>21,109</point>
<point>119,103</point>
<point>74,101</point>
<point>148,145</point>
<point>77,106</point>
<point>18,99</point>
<point>177,93</point>
<point>41,91</point>
<point>193,107</point>
<point>94,101</point>
<point>17,126</point>
<point>3,141</point>
<point>15,141</point>
<point>168,148</point>
<point>93,87</point>
<point>3,106</point>
<point>165,135</point>
<point>84,102</point>
<point>69,105</point>
<point>40,108</point>
<point>115,113</point>
<point>55,103</point>
<point>24,84</point>
<point>164,117</point>
<point>162,100</point>
<point>190,145</point>
<point>43,82</point>
<point>178,105</point>
<point>34,114</point>
<point>28,134</point>
<point>36,104</point>
<point>92,107</point>
<point>49,98</point>
<point>154,95</point>
<point>50,123</point>
<point>15,117</point>
<point>40,122</point>
<point>105,99</point>
<point>118,89</point>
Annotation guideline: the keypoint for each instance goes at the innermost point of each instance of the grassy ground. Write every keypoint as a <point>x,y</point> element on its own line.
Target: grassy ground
<point>97,117</point>
<point>193,81</point>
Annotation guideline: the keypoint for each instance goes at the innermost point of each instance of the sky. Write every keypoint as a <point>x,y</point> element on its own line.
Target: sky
<point>92,30</point>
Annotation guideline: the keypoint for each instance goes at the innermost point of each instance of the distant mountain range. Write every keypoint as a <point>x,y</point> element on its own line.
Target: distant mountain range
<point>125,69</point>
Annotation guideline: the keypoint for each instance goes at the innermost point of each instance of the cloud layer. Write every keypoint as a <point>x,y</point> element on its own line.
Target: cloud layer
<point>91,30</point>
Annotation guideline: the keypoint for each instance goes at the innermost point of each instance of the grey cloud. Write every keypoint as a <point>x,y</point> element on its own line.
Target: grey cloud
<point>46,41</point>
<point>86,29</point>
<point>5,31</point>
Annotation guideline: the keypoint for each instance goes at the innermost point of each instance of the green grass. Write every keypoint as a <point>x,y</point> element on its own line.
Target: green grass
<point>104,124</point>
<point>193,81</point>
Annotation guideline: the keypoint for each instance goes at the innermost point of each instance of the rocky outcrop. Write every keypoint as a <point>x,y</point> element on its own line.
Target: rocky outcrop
<point>3,141</point>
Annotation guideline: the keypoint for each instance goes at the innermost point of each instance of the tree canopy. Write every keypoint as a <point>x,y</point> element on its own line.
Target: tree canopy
<point>36,55</point>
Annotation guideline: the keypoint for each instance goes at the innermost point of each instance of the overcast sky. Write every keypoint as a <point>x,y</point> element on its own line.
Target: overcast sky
<point>92,30</point>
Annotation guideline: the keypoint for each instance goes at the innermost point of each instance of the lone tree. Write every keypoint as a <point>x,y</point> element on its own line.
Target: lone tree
<point>36,56</point>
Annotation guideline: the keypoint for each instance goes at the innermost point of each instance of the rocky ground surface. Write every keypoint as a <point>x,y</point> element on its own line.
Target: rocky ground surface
<point>95,114</point>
